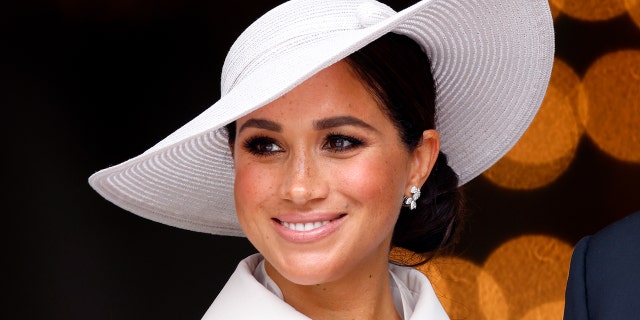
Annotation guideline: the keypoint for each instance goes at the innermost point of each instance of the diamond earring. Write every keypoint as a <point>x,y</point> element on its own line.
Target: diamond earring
<point>411,201</point>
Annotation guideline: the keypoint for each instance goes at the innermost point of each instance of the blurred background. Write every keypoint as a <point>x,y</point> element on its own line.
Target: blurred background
<point>89,84</point>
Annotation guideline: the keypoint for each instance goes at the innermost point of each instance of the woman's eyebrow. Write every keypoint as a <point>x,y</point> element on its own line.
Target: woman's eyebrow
<point>328,123</point>
<point>261,124</point>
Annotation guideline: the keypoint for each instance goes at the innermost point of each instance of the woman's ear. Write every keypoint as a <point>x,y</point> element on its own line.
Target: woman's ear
<point>424,157</point>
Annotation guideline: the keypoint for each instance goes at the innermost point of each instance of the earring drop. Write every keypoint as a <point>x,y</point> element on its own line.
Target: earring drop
<point>411,201</point>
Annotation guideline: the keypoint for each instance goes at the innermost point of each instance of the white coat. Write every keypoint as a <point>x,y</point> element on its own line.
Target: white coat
<point>245,297</point>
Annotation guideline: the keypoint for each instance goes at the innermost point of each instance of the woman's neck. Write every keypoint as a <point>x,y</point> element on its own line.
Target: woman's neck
<point>362,294</point>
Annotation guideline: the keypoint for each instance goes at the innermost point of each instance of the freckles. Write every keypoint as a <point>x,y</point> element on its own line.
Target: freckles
<point>244,186</point>
<point>378,181</point>
<point>367,180</point>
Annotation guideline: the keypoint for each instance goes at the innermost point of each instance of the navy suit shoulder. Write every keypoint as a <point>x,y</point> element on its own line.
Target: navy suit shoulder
<point>575,296</point>
<point>604,277</point>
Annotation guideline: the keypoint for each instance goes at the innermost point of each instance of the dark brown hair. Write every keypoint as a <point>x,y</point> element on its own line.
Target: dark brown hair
<point>398,74</point>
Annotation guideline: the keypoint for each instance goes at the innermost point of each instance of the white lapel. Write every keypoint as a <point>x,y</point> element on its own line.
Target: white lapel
<point>244,298</point>
<point>419,301</point>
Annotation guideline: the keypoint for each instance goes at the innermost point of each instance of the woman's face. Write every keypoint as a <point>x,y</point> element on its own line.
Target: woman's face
<point>320,176</point>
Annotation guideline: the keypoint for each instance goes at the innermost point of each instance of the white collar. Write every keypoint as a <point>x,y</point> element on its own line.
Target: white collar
<point>251,294</point>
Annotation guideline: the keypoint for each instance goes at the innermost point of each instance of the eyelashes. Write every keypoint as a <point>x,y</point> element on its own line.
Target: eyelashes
<point>336,142</point>
<point>333,142</point>
<point>261,146</point>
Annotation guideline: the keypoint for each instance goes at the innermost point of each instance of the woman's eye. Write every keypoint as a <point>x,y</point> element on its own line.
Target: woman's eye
<point>338,142</point>
<point>262,146</point>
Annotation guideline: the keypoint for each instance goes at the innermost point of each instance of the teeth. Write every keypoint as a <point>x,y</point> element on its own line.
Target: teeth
<point>304,226</point>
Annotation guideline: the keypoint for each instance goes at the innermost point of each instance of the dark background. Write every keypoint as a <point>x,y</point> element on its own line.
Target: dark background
<point>88,84</point>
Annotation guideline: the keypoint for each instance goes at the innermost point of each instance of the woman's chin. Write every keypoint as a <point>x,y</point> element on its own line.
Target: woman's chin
<point>306,272</point>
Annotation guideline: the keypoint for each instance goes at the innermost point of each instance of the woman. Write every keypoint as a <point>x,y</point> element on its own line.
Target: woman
<point>332,128</point>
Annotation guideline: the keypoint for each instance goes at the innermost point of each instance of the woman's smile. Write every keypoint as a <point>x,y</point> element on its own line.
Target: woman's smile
<point>306,228</point>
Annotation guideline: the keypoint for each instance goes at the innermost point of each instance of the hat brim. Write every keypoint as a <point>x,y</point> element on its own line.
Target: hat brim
<point>491,61</point>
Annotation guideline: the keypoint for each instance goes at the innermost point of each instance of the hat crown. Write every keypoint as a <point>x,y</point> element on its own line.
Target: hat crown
<point>294,25</point>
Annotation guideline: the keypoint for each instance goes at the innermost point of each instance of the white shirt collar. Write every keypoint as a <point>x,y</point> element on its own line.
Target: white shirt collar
<point>251,294</point>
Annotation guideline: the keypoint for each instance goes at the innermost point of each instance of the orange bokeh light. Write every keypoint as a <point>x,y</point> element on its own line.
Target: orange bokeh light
<point>591,10</point>
<point>548,147</point>
<point>555,11</point>
<point>455,281</point>
<point>524,278</point>
<point>633,7</point>
<point>531,270</point>
<point>610,104</point>
<point>551,310</point>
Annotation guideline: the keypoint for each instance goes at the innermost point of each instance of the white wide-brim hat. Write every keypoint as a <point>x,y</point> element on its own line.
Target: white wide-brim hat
<point>491,61</point>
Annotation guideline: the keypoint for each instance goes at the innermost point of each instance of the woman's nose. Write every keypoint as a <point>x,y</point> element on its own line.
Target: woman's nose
<point>303,180</point>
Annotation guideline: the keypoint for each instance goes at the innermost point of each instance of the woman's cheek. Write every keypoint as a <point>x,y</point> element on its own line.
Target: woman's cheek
<point>253,178</point>
<point>251,187</point>
<point>370,180</point>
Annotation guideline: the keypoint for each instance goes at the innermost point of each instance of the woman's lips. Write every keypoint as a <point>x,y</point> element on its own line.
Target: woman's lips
<point>301,229</point>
